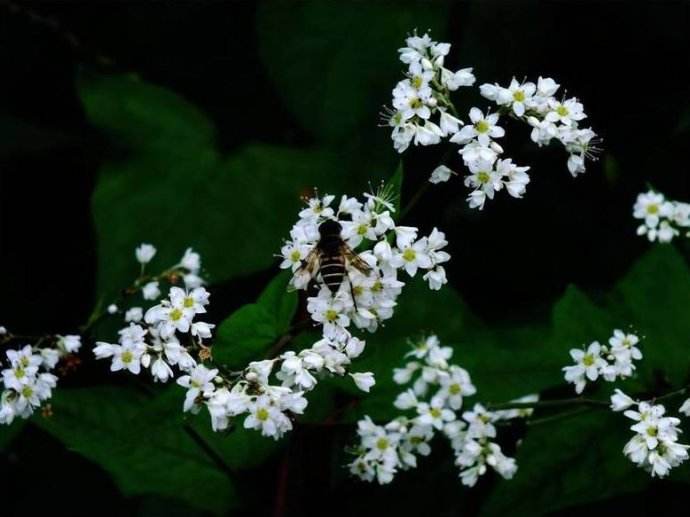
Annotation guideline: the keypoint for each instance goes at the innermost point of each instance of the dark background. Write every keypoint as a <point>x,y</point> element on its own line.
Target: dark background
<point>628,62</point>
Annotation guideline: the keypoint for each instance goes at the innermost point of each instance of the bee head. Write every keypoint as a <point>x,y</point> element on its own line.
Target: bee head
<point>330,228</point>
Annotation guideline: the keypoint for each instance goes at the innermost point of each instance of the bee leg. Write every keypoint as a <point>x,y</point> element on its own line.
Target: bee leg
<point>352,292</point>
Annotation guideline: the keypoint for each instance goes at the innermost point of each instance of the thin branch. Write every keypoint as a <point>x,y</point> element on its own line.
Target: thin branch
<point>216,458</point>
<point>548,403</point>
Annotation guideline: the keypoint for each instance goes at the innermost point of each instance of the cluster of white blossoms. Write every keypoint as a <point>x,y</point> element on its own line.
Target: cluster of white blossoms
<point>655,445</point>
<point>27,378</point>
<point>364,298</point>
<point>550,118</point>
<point>162,337</point>
<point>424,114</point>
<point>433,402</point>
<point>662,219</point>
<point>609,362</point>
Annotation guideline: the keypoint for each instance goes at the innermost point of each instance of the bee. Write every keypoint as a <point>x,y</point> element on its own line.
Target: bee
<point>331,257</point>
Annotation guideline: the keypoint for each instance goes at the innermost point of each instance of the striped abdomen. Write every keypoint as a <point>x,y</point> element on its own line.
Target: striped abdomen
<point>332,270</point>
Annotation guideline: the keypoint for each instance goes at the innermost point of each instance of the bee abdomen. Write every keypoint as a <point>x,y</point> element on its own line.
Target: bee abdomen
<point>332,271</point>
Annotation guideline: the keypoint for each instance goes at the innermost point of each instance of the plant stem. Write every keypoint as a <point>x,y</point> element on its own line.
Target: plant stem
<point>216,458</point>
<point>579,401</point>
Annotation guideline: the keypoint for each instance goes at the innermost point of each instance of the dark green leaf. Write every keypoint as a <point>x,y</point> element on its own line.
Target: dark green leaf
<point>321,58</point>
<point>169,186</point>
<point>252,329</point>
<point>141,443</point>
<point>571,461</point>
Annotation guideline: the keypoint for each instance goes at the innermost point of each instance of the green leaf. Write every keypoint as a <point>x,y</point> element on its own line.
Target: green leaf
<point>137,442</point>
<point>321,56</point>
<point>654,298</point>
<point>10,432</point>
<point>167,184</point>
<point>147,444</point>
<point>571,461</point>
<point>252,329</point>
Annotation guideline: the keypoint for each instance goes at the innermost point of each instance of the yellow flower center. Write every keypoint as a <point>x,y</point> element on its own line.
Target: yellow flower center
<point>331,315</point>
<point>588,360</point>
<point>455,389</point>
<point>562,110</point>
<point>27,391</point>
<point>175,314</point>
<point>189,302</point>
<point>295,255</point>
<point>262,414</point>
<point>653,208</point>
<point>483,177</point>
<point>382,444</point>
<point>482,126</point>
<point>519,95</point>
<point>409,255</point>
<point>127,357</point>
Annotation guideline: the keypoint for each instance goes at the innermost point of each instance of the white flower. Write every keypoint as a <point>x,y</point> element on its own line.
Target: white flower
<point>364,381</point>
<point>483,129</point>
<point>145,253</point>
<point>440,174</point>
<point>454,80</point>
<point>293,254</point>
<point>150,291</point>
<point>685,408</point>
<point>588,365</point>
<point>620,401</point>
<point>411,257</point>
<point>191,260</point>
<point>160,370</point>
<point>135,314</point>
<point>112,308</point>
<point>517,95</point>
<point>199,383</point>
<point>267,418</point>
<point>434,414</point>
<point>70,344</point>
<point>449,124</point>
<point>127,357</point>
<point>566,112</point>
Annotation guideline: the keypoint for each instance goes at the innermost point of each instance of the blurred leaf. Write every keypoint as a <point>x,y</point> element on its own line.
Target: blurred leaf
<point>339,70</point>
<point>168,185</point>
<point>10,432</point>
<point>252,329</point>
<point>654,299</point>
<point>142,443</point>
<point>566,462</point>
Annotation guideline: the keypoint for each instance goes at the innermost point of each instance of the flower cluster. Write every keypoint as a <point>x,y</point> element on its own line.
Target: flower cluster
<point>662,219</point>
<point>609,362</point>
<point>655,445</point>
<point>424,114</point>
<point>433,402</point>
<point>369,287</point>
<point>550,118</point>
<point>162,336</point>
<point>28,379</point>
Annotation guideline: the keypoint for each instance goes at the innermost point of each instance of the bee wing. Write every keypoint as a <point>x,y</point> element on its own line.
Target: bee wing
<point>354,260</point>
<point>309,267</point>
<point>310,264</point>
